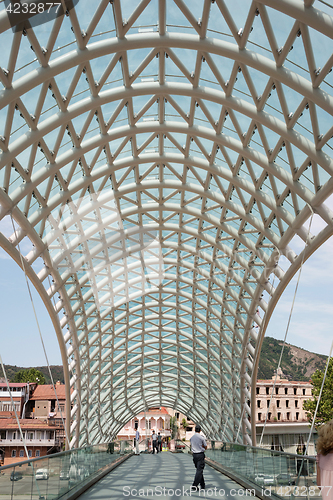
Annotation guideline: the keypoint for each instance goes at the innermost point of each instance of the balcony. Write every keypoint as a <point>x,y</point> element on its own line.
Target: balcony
<point>28,442</point>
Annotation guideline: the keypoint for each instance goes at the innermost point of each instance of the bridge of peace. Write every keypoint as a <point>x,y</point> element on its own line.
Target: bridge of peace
<point>161,166</point>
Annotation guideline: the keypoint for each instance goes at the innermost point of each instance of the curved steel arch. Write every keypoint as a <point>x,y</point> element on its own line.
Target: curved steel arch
<point>157,226</point>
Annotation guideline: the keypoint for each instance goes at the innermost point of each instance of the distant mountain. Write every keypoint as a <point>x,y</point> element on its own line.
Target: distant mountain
<point>56,370</point>
<point>297,363</point>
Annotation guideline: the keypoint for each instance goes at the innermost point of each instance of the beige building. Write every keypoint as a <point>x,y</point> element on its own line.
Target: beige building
<point>287,427</point>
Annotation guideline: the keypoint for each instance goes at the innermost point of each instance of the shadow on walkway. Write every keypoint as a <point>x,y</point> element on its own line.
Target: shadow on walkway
<point>165,475</point>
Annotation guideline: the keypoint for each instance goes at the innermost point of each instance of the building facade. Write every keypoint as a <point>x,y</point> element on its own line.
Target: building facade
<point>281,406</point>
<point>15,399</point>
<point>157,419</point>
<point>41,416</point>
<point>40,438</point>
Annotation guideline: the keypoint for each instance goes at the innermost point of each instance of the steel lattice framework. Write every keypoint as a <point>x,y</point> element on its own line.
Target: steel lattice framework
<point>158,158</point>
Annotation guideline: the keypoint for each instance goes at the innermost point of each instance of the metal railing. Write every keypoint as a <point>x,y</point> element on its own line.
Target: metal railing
<point>282,474</point>
<point>57,476</point>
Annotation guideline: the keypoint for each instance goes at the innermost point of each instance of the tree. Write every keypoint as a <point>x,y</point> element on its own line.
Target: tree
<point>173,427</point>
<point>184,424</point>
<point>325,409</point>
<point>31,375</point>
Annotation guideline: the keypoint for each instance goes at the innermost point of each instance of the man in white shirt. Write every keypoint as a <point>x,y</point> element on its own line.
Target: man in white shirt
<point>198,447</point>
<point>137,439</point>
<point>154,442</point>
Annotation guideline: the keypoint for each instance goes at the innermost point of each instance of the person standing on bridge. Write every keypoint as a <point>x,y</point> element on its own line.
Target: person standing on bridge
<point>198,447</point>
<point>154,442</point>
<point>137,439</point>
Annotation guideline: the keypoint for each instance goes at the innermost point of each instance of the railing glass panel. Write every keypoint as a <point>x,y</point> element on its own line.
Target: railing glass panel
<point>52,477</point>
<point>283,474</point>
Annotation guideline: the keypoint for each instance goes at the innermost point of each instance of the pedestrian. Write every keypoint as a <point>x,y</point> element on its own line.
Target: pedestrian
<point>137,440</point>
<point>154,442</point>
<point>325,460</point>
<point>198,447</point>
<point>159,442</point>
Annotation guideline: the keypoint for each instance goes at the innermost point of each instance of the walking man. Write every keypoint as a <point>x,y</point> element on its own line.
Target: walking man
<point>154,442</point>
<point>198,447</point>
<point>137,439</point>
<point>159,442</point>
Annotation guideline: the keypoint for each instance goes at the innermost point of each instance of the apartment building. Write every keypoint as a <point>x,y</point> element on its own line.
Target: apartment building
<point>281,406</point>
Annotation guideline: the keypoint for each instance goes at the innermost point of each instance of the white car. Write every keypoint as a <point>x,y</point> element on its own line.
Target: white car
<point>269,480</point>
<point>42,474</point>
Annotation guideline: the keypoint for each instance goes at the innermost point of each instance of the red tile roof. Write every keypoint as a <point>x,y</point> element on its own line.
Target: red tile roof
<point>160,411</point>
<point>18,384</point>
<point>45,392</point>
<point>25,423</point>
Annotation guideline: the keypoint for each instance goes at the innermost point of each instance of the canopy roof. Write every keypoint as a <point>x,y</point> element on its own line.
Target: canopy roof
<point>160,162</point>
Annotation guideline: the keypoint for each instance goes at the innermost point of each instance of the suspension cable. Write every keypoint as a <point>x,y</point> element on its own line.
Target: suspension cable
<point>39,329</point>
<point>288,323</point>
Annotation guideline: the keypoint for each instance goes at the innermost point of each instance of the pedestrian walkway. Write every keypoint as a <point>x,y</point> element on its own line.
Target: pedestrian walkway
<point>165,475</point>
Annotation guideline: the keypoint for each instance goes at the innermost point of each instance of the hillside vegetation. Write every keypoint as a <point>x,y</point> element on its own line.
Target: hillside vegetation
<point>297,363</point>
<point>56,370</point>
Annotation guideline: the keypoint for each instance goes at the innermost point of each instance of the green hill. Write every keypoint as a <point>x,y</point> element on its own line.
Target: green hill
<point>297,363</point>
<point>56,370</point>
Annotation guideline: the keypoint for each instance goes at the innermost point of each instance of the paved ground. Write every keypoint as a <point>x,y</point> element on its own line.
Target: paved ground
<point>165,475</point>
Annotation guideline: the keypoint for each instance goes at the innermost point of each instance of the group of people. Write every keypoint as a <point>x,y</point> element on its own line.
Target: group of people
<point>156,440</point>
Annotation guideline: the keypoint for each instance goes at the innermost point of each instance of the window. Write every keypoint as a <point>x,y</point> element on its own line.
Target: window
<point>297,415</point>
<point>267,390</point>
<point>287,403</point>
<point>37,454</point>
<point>268,403</point>
<point>29,453</point>
<point>303,392</point>
<point>278,403</point>
<point>3,435</point>
<point>296,404</point>
<point>286,390</point>
<point>30,435</point>
<point>177,414</point>
<point>13,453</point>
<point>279,416</point>
<point>288,415</point>
<point>258,403</point>
<point>257,390</point>
<point>276,390</point>
<point>14,436</point>
<point>21,453</point>
<point>39,435</point>
<point>269,416</point>
<point>259,416</point>
<point>295,391</point>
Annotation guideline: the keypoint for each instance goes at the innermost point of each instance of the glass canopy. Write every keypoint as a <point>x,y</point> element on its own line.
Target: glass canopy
<point>160,161</point>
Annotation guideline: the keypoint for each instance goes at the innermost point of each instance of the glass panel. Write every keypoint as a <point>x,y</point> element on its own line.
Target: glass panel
<point>51,477</point>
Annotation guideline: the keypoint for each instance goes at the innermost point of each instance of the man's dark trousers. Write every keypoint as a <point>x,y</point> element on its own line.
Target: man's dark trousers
<point>199,462</point>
